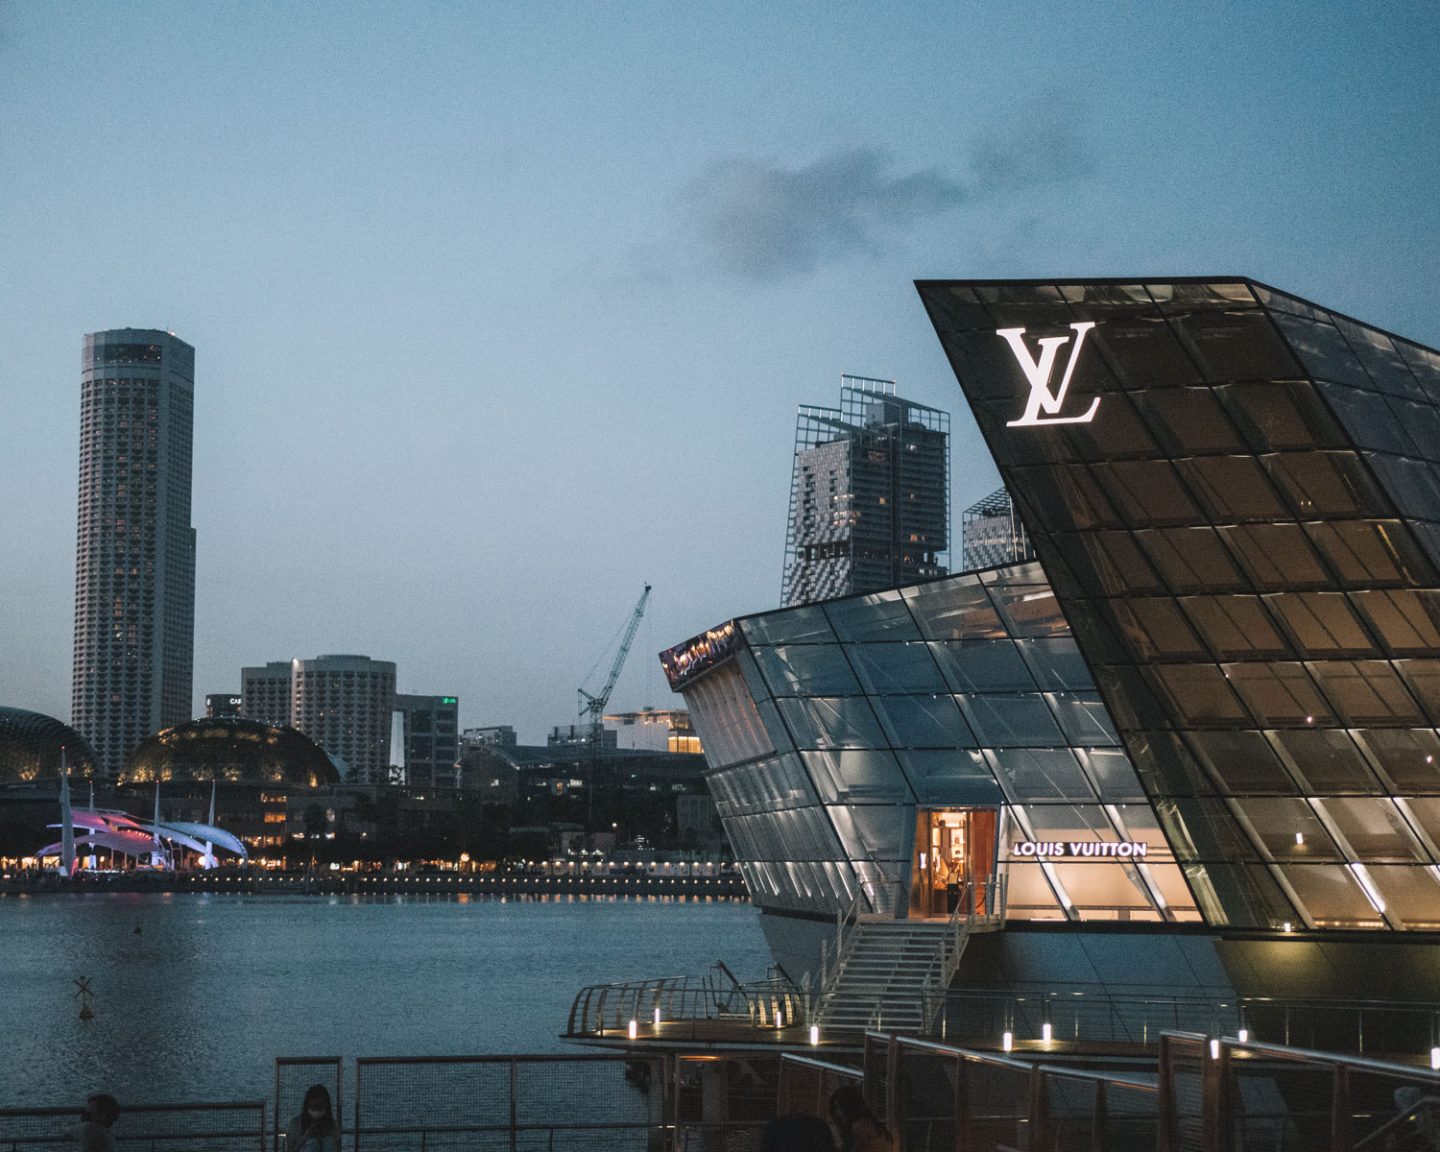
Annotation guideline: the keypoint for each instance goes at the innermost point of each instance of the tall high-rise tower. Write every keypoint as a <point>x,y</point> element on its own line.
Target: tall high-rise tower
<point>135,548</point>
<point>870,494</point>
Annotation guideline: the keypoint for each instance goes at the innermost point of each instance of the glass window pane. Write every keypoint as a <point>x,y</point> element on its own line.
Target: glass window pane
<point>1235,627</point>
<point>1039,774</point>
<point>1114,436</point>
<point>1232,488</point>
<point>1382,361</point>
<point>1083,719</point>
<point>1412,484</point>
<point>1327,484</point>
<point>1370,421</point>
<point>1423,678</point>
<point>877,616</point>
<point>1018,721</point>
<point>1425,365</point>
<point>1029,610</point>
<point>1056,664</point>
<point>1322,349</point>
<point>1421,420</point>
<point>1276,556</point>
<point>1103,891</point>
<point>885,668</point>
<point>1240,345</point>
<point>1198,694</point>
<point>1331,897</point>
<point>1408,757</point>
<point>1373,829</point>
<point>923,721</point>
<point>870,773</point>
<point>1326,760</point>
<point>1321,623</point>
<point>1109,563</point>
<point>794,625</point>
<point>948,610</point>
<point>1279,694</point>
<point>832,722</point>
<point>1207,830</point>
<point>952,776</point>
<point>1189,421</point>
<point>1375,552</point>
<point>1411,895</point>
<point>1191,559</point>
<point>1112,775</point>
<point>1155,628</point>
<point>1242,762</point>
<point>1280,415</point>
<point>1147,492</point>
<point>1028,895</point>
<point>1145,351</point>
<point>806,670</point>
<point>983,666</point>
<point>1067,498</point>
<point>1287,828</point>
<point>1408,622</point>
<point>1365,692</point>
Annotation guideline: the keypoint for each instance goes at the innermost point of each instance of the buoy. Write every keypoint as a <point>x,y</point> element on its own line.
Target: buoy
<point>84,993</point>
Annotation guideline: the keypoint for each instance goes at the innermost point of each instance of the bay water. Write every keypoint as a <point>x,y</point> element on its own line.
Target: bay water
<point>196,994</point>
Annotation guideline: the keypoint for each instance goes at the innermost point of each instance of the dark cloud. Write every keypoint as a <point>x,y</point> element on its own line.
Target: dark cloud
<point>761,221</point>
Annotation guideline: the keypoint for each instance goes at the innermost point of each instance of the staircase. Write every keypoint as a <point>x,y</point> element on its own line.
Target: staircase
<point>886,966</point>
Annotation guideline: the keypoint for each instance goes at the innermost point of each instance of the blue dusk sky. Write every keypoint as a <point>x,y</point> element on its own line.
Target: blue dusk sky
<point>501,311</point>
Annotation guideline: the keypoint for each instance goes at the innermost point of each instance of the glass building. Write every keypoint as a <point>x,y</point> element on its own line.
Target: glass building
<point>1210,704</point>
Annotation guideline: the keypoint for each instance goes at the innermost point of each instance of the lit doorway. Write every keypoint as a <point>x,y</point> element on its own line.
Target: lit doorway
<point>954,861</point>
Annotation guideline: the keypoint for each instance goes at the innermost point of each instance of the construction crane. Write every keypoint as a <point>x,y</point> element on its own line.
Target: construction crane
<point>594,706</point>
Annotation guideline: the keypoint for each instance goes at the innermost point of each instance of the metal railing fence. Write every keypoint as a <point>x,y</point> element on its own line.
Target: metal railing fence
<point>673,1008</point>
<point>222,1127</point>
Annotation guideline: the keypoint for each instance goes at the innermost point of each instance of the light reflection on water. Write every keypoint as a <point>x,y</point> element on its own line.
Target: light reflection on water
<point>196,994</point>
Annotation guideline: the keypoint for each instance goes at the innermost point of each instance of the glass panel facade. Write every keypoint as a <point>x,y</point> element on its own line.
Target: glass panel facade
<point>1251,574</point>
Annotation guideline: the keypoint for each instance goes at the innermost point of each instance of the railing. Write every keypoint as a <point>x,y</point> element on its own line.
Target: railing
<point>673,1008</point>
<point>971,915</point>
<point>223,1127</point>
<point>1094,1016</point>
<point>293,1077</point>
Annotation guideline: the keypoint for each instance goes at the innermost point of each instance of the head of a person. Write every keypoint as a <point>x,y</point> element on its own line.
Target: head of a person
<point>316,1109</point>
<point>848,1108</point>
<point>102,1109</point>
<point>796,1134</point>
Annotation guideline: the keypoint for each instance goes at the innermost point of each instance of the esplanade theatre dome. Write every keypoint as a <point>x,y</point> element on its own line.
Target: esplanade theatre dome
<point>233,750</point>
<point>31,745</point>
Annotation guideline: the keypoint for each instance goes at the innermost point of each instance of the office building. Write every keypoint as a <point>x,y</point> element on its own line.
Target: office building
<point>495,736</point>
<point>869,494</point>
<point>654,730</point>
<point>265,693</point>
<point>430,730</point>
<point>135,547</point>
<point>345,704</point>
<point>1193,744</point>
<point>991,534</point>
<point>222,705</point>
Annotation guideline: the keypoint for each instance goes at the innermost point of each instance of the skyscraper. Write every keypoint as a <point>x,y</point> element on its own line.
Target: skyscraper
<point>135,548</point>
<point>869,496</point>
<point>991,534</point>
<point>344,704</point>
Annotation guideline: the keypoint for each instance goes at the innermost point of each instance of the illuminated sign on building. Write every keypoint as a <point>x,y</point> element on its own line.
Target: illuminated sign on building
<point>1038,373</point>
<point>1125,849</point>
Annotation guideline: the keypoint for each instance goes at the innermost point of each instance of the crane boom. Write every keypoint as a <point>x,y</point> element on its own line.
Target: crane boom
<point>594,706</point>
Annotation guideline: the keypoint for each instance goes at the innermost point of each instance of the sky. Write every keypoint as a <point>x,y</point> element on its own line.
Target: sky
<point>503,311</point>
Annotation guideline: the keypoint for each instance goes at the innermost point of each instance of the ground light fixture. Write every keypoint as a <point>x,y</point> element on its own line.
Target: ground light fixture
<point>634,1029</point>
<point>1243,1035</point>
<point>815,1036</point>
<point>1047,1032</point>
<point>1214,1049</point>
<point>1435,1059</point>
<point>1007,1041</point>
<point>657,1015</point>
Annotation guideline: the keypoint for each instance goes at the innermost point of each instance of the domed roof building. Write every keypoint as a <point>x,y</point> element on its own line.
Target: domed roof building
<point>230,750</point>
<point>31,745</point>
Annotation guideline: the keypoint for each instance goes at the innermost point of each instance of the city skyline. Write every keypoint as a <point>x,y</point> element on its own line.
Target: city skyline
<point>503,315</point>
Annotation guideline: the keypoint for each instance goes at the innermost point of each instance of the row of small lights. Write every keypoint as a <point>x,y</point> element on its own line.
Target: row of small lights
<point>633,1030</point>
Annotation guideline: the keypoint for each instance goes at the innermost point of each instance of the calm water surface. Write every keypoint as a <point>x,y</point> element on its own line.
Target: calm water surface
<point>197,994</point>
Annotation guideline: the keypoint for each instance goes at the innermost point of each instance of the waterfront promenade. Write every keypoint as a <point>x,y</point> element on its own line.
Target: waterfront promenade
<point>724,886</point>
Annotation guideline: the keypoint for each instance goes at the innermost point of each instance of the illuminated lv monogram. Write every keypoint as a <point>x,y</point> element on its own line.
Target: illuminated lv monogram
<point>1038,373</point>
